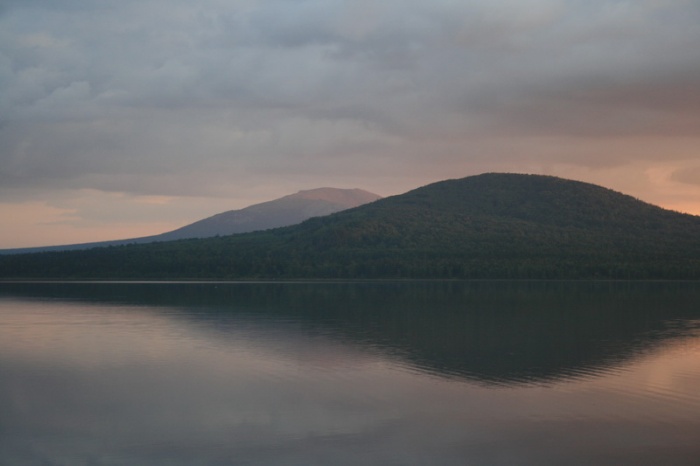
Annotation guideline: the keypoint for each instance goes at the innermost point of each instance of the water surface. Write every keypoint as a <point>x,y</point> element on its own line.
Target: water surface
<point>405,373</point>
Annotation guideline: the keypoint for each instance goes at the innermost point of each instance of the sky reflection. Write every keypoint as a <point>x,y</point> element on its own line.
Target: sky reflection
<point>89,382</point>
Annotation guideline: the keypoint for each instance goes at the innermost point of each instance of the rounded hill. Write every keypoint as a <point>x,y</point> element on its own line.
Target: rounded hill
<point>486,226</point>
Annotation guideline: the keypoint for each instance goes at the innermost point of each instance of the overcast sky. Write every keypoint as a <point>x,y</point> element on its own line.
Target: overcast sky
<point>122,118</point>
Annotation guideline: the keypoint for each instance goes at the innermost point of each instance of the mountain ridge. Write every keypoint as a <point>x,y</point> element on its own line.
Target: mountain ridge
<point>287,210</point>
<point>492,225</point>
<point>284,211</point>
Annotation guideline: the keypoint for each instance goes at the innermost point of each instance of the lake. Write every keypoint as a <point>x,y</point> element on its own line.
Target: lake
<point>361,373</point>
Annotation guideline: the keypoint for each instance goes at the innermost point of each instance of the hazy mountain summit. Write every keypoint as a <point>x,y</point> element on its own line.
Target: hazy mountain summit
<point>287,210</point>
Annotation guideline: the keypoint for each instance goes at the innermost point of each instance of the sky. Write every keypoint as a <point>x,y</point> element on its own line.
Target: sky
<point>124,118</point>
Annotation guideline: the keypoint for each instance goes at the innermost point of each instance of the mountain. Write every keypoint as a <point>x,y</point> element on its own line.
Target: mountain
<point>287,210</point>
<point>486,226</point>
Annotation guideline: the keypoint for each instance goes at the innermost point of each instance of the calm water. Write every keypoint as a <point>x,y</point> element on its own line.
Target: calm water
<point>434,373</point>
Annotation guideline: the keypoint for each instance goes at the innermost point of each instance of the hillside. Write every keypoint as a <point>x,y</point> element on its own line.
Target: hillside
<point>486,226</point>
<point>287,210</point>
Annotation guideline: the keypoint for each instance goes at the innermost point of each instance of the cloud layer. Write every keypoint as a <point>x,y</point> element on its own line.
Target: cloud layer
<point>248,100</point>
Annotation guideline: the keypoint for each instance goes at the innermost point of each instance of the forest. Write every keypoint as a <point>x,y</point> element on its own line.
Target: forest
<point>491,226</point>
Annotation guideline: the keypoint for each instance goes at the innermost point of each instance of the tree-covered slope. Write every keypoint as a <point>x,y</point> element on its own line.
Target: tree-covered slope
<point>486,226</point>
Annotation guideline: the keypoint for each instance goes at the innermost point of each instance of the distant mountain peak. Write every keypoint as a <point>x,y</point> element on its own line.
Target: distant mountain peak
<point>284,211</point>
<point>350,197</point>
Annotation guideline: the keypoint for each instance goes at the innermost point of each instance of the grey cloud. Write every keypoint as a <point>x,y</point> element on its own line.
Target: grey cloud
<point>690,175</point>
<point>665,105</point>
<point>124,95</point>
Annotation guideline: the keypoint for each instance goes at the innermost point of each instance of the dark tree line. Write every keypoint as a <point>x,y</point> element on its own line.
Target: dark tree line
<point>489,226</point>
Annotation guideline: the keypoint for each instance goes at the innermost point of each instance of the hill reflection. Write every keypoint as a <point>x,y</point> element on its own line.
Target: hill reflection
<point>486,332</point>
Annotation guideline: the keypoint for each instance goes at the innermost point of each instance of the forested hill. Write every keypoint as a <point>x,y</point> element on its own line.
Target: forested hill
<point>486,226</point>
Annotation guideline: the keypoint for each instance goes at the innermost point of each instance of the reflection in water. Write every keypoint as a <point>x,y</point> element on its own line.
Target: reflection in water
<point>493,332</point>
<point>350,373</point>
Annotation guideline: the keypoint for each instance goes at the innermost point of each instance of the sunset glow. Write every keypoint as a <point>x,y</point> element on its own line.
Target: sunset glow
<point>125,119</point>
